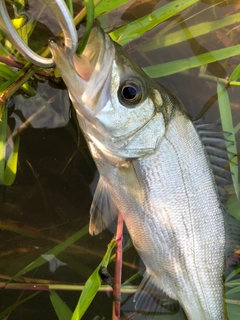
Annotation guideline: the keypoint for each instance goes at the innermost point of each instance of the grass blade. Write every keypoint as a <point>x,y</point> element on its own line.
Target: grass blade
<point>3,133</point>
<point>90,17</point>
<point>108,5</point>
<point>189,33</point>
<point>227,125</point>
<point>69,4</point>
<point>54,251</point>
<point>235,74</point>
<point>139,27</point>
<point>16,304</point>
<point>92,285</point>
<point>168,68</point>
<point>11,165</point>
<point>60,307</point>
<point>232,274</point>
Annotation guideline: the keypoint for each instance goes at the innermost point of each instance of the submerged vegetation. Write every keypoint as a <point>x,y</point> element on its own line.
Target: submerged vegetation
<point>28,101</point>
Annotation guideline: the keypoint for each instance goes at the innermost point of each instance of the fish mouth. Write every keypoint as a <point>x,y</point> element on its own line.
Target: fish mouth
<point>83,75</point>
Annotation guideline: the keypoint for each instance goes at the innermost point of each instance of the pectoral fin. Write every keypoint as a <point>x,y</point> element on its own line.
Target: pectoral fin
<point>103,210</point>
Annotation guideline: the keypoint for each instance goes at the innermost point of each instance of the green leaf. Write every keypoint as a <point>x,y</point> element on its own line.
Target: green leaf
<point>108,5</point>
<point>7,73</point>
<point>234,290</point>
<point>233,206</point>
<point>227,125</point>
<point>60,307</point>
<point>54,251</point>
<point>235,74</point>
<point>8,169</point>
<point>139,27</point>
<point>16,304</point>
<point>90,17</point>
<point>69,4</point>
<point>231,275</point>
<point>92,285</point>
<point>165,69</point>
<point>3,135</point>
<point>11,165</point>
<point>189,33</point>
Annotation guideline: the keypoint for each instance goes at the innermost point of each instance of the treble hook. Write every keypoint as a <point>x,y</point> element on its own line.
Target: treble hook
<point>61,12</point>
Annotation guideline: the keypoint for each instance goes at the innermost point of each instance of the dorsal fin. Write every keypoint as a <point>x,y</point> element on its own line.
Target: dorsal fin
<point>152,301</point>
<point>215,142</point>
<point>103,210</point>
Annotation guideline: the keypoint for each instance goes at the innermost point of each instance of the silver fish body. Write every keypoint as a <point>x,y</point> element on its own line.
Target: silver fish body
<point>154,170</point>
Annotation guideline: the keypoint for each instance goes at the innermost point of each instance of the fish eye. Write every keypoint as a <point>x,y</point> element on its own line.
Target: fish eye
<point>130,92</point>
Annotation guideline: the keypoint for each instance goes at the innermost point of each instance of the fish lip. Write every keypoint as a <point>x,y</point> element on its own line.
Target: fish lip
<point>96,40</point>
<point>79,86</point>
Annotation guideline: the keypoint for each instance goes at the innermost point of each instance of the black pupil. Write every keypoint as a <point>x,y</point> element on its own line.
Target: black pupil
<point>129,93</point>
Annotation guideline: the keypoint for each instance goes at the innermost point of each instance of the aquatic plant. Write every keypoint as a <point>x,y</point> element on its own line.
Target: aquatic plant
<point>23,80</point>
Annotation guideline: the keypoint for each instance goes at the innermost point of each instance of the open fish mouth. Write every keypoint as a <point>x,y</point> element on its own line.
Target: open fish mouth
<point>84,65</point>
<point>83,75</point>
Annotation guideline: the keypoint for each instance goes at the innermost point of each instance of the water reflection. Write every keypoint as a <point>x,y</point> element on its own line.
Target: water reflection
<point>56,176</point>
<point>49,108</point>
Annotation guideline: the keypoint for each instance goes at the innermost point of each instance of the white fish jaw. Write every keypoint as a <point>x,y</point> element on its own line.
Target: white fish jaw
<point>85,75</point>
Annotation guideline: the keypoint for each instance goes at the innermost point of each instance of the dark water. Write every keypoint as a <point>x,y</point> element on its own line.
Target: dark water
<point>56,176</point>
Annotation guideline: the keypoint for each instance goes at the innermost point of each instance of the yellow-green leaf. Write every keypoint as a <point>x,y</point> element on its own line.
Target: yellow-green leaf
<point>227,125</point>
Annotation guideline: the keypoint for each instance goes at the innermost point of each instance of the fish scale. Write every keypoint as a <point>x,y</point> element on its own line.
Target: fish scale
<point>153,169</point>
<point>200,241</point>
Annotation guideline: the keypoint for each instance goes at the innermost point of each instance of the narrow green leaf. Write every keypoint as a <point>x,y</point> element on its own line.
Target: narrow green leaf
<point>227,125</point>
<point>11,80</point>
<point>7,169</point>
<point>234,290</point>
<point>54,251</point>
<point>188,33</point>
<point>233,311</point>
<point>92,285</point>
<point>165,69</point>
<point>7,73</point>
<point>11,165</point>
<point>70,7</point>
<point>134,277</point>
<point>232,274</point>
<point>108,5</point>
<point>60,307</point>
<point>233,283</point>
<point>90,17</point>
<point>233,206</point>
<point>16,304</point>
<point>235,74</point>
<point>139,27</point>
<point>3,134</point>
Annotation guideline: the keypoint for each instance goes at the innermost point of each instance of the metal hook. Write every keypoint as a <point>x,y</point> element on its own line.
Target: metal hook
<point>61,12</point>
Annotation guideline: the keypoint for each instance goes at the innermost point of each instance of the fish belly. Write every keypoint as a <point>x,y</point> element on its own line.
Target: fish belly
<point>177,226</point>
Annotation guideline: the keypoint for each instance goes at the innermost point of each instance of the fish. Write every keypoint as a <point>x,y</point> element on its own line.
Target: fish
<point>154,170</point>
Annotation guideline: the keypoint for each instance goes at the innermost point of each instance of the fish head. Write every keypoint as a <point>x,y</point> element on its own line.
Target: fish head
<point>118,106</point>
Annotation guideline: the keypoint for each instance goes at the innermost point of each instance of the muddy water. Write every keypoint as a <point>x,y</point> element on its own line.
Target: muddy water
<point>56,176</point>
